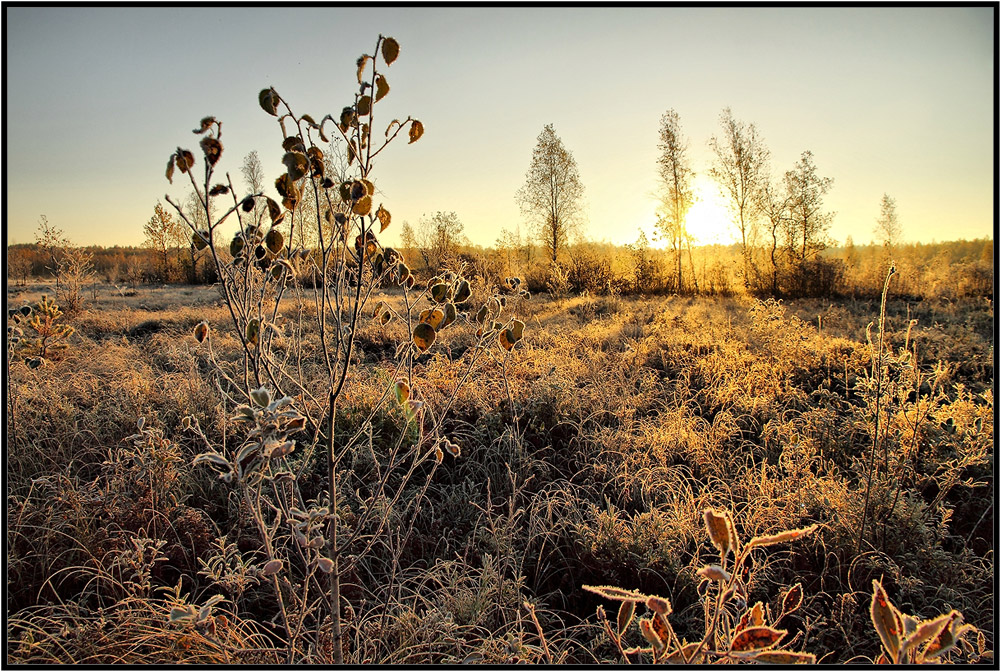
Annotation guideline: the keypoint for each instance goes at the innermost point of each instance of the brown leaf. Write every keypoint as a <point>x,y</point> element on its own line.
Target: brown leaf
<point>757,638</point>
<point>274,211</point>
<point>792,600</point>
<point>720,530</point>
<point>205,124</point>
<point>416,131</point>
<point>390,50</point>
<point>170,168</point>
<point>362,206</point>
<point>887,621</point>
<point>297,165</point>
<point>925,631</point>
<point>782,657</point>
<point>362,62</point>
<point>649,633</point>
<point>384,218</point>
<point>423,336</point>
<point>364,105</point>
<point>381,87</point>
<point>625,614</point>
<point>268,99</point>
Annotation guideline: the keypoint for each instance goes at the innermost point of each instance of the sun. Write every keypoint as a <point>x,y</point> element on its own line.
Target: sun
<point>709,221</point>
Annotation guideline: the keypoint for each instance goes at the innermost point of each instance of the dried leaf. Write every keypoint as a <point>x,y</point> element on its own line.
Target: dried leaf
<point>381,88</point>
<point>416,131</point>
<point>274,211</point>
<point>362,62</point>
<point>948,638</point>
<point>390,50</point>
<point>625,615</point>
<point>887,620</point>
<point>268,99</point>
<point>205,124</point>
<point>211,458</point>
<point>463,291</point>
<point>646,627</point>
<point>792,600</point>
<point>402,391</point>
<point>218,190</point>
<point>434,317</point>
<point>272,567</point>
<point>925,631</point>
<point>274,241</point>
<point>384,218</point>
<point>782,657</point>
<point>783,537</point>
<point>364,106</point>
<point>616,593</point>
<point>170,168</point>
<point>297,165</point>
<point>423,336</point>
<point>201,331</point>
<point>720,530</point>
<point>362,206</point>
<point>757,638</point>
<point>714,573</point>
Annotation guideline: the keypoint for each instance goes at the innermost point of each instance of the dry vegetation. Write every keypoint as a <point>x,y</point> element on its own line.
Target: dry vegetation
<point>325,458</point>
<point>587,461</point>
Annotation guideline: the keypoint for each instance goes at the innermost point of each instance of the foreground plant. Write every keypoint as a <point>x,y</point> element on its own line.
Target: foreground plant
<point>735,632</point>
<point>50,333</point>
<point>289,409</point>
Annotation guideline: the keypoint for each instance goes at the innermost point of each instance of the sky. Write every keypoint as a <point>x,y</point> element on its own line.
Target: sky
<point>895,100</point>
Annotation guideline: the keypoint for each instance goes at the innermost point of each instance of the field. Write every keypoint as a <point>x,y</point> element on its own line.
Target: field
<point>589,453</point>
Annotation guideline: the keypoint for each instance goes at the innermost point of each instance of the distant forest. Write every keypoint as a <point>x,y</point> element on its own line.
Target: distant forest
<point>949,270</point>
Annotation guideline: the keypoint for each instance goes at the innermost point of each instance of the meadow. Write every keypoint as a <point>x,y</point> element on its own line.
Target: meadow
<point>598,450</point>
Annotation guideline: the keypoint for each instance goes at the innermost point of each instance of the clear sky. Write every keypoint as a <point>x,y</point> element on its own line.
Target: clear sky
<point>892,100</point>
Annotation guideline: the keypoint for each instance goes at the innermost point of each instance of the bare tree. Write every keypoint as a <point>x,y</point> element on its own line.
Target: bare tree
<point>678,196</point>
<point>19,264</point>
<point>53,243</point>
<point>805,192</point>
<point>775,208</point>
<point>253,179</point>
<point>887,226</point>
<point>551,198</point>
<point>438,238</point>
<point>741,170</point>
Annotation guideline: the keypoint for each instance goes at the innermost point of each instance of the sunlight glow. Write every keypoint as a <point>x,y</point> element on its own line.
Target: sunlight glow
<point>709,221</point>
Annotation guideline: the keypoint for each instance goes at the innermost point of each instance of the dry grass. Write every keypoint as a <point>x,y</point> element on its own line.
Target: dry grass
<point>587,459</point>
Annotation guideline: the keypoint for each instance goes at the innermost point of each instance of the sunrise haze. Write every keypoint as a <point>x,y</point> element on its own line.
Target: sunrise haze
<point>894,101</point>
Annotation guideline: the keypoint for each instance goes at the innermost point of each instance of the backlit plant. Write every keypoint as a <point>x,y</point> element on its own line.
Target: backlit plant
<point>288,410</point>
